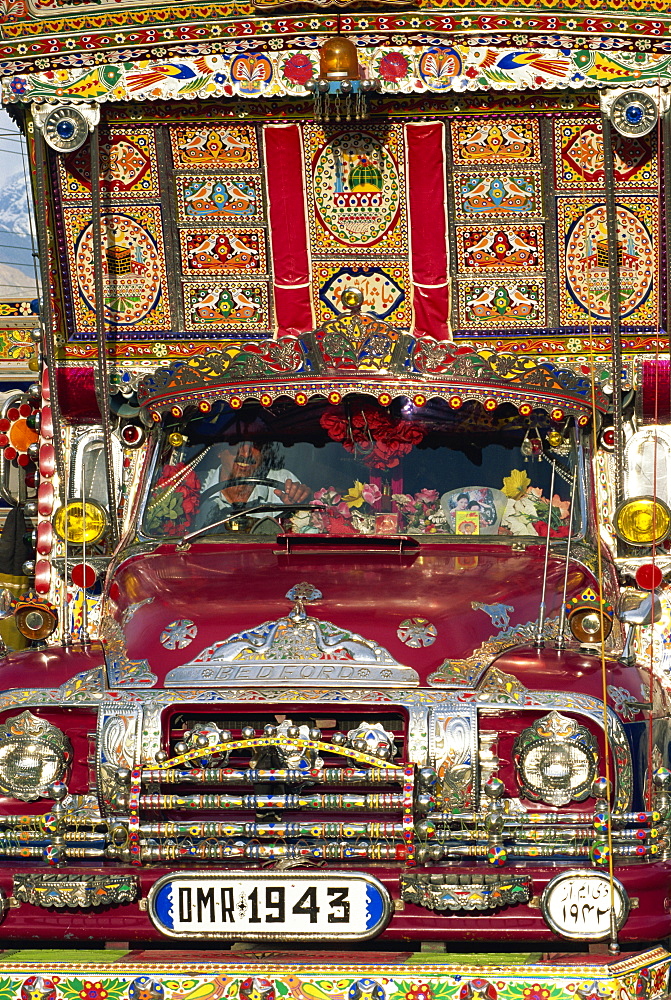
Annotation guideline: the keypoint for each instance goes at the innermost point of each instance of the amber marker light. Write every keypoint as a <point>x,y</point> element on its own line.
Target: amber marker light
<point>642,521</point>
<point>35,618</point>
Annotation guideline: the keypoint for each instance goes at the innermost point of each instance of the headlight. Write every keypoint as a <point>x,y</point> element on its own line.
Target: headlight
<point>555,760</point>
<point>81,521</point>
<point>642,521</point>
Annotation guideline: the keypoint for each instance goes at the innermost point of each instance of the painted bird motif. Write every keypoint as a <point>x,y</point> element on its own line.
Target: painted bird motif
<point>532,60</point>
<point>158,73</point>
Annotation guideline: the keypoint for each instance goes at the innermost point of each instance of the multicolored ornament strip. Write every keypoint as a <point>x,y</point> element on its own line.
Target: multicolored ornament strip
<point>37,35</point>
<point>405,69</point>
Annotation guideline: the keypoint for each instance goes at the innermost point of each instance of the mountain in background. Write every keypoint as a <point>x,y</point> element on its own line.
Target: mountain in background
<point>14,215</point>
<point>17,269</point>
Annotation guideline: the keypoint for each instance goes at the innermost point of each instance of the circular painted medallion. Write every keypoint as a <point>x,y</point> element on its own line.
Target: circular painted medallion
<point>416,632</point>
<point>356,188</point>
<point>178,634</point>
<point>587,261</point>
<point>131,269</point>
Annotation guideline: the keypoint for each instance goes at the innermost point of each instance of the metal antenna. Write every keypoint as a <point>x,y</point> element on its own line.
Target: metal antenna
<point>561,641</point>
<point>85,623</point>
<point>541,613</point>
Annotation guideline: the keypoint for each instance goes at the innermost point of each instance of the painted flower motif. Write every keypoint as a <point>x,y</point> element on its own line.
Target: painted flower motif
<point>160,350</point>
<point>18,85</point>
<point>422,991</point>
<point>38,988</point>
<point>393,66</point>
<point>93,991</point>
<point>536,992</point>
<point>298,68</point>
<point>516,484</point>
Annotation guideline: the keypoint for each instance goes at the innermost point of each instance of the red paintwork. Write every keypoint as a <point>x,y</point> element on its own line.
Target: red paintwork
<point>227,588</point>
<point>47,668</point>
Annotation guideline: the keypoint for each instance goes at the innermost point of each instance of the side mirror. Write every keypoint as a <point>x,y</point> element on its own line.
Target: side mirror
<point>637,607</point>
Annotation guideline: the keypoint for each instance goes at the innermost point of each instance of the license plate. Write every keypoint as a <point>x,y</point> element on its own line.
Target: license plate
<point>577,904</point>
<point>269,907</point>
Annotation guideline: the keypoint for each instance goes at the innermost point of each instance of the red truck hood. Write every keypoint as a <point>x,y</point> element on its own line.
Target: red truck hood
<point>196,615</point>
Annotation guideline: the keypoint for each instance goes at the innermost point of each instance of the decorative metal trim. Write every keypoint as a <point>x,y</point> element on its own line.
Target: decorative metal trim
<point>122,671</point>
<point>465,892</point>
<point>467,672</point>
<point>33,755</point>
<point>545,750</point>
<point>57,890</point>
<point>370,355</point>
<point>294,649</point>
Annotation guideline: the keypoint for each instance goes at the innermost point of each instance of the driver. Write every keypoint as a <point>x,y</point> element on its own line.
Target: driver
<point>249,462</point>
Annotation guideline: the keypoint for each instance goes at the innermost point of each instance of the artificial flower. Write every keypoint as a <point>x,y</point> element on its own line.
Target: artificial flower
<point>516,484</point>
<point>354,497</point>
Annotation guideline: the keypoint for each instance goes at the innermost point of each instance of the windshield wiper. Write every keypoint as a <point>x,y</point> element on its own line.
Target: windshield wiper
<point>257,509</point>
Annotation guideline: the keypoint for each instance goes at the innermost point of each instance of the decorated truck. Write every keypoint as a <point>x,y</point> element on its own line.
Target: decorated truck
<point>346,619</point>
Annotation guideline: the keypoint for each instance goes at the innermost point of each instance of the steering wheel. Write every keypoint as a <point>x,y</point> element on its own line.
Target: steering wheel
<point>248,481</point>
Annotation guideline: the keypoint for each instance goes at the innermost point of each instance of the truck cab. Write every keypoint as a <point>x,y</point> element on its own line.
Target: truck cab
<point>364,667</point>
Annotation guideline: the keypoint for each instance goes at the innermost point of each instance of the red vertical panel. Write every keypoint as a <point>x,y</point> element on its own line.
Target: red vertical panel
<point>288,228</point>
<point>427,226</point>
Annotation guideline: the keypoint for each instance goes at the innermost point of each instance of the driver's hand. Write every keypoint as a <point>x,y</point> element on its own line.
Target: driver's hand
<point>293,492</point>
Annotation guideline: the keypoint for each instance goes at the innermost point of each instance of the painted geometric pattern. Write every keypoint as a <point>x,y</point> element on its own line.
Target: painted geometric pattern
<point>224,199</point>
<point>584,259</point>
<point>355,179</point>
<point>234,306</point>
<point>133,263</point>
<point>502,302</point>
<point>627,977</point>
<point>502,140</point>
<point>498,194</point>
<point>214,147</point>
<point>127,166</point>
<point>384,285</point>
<point>579,156</point>
<point>500,248</point>
<point>223,251</point>
<point>356,183</point>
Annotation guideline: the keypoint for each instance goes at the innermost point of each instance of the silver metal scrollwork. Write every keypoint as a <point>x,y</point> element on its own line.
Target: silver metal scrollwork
<point>33,755</point>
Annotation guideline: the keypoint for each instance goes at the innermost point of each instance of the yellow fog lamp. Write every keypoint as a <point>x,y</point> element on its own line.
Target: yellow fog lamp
<point>590,620</point>
<point>81,521</point>
<point>35,618</point>
<point>642,521</point>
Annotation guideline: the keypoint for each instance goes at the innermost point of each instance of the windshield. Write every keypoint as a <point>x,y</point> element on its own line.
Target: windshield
<point>360,468</point>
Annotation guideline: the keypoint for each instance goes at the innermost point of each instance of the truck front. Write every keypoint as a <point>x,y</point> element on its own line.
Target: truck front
<point>360,674</point>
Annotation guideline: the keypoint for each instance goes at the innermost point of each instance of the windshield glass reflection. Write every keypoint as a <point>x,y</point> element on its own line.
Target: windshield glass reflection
<point>359,468</point>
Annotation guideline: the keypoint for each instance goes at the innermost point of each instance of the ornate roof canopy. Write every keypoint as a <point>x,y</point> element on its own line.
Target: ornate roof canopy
<point>358,353</point>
